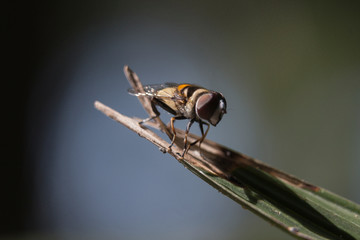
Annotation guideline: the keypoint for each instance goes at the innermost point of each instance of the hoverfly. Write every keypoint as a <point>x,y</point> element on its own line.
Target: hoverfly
<point>186,101</point>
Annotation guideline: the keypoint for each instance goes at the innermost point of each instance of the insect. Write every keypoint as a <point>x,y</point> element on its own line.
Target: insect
<point>186,101</point>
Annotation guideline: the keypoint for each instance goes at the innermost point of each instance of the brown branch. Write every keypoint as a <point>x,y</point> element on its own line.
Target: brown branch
<point>133,124</point>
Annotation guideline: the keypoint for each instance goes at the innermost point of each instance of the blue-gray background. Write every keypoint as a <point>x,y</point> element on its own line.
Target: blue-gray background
<point>290,72</point>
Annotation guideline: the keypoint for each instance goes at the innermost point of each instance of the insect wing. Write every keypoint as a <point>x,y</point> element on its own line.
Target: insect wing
<point>132,91</point>
<point>155,90</point>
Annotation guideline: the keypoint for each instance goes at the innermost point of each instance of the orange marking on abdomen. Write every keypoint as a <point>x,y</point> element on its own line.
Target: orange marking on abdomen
<point>182,86</point>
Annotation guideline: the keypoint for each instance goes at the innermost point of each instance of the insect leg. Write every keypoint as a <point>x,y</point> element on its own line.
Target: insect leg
<point>152,117</point>
<point>203,136</point>
<point>172,120</point>
<point>186,146</point>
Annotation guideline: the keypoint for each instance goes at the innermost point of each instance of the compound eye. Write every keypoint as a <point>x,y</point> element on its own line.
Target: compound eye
<point>211,107</point>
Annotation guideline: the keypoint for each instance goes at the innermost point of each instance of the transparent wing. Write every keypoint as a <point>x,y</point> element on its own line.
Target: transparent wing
<point>155,90</point>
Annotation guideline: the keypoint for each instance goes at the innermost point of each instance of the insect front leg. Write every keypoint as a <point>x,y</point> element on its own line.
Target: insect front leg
<point>186,146</point>
<point>203,136</point>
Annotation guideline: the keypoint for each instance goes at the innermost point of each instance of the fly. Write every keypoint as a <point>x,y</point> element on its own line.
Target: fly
<point>186,101</point>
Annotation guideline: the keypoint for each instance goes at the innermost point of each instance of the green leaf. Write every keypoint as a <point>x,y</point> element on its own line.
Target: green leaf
<point>303,210</point>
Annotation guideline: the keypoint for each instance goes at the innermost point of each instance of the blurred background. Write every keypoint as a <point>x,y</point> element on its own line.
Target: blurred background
<point>290,71</point>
